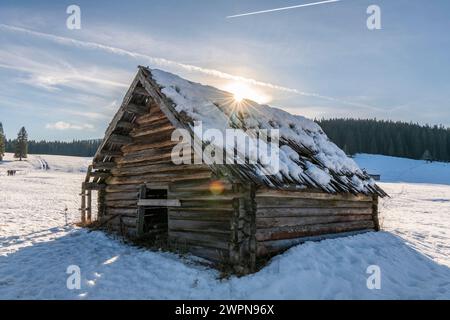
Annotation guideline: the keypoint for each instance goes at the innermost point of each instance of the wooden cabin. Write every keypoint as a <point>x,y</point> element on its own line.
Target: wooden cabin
<point>226,213</point>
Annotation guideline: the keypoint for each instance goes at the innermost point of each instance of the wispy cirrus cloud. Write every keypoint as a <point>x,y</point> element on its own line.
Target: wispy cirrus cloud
<point>162,62</point>
<point>50,73</point>
<point>62,125</point>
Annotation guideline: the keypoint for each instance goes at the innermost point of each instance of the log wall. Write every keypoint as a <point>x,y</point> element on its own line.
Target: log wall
<point>202,224</point>
<point>145,160</point>
<point>285,218</point>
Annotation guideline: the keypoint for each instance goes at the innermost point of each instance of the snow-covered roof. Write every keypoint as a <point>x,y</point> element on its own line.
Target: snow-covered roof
<point>308,159</point>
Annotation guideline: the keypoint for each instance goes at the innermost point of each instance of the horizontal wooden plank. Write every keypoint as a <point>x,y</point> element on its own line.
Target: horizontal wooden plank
<point>156,168</point>
<point>206,209</point>
<point>275,202</point>
<point>151,157</point>
<point>103,165</point>
<point>200,239</point>
<point>119,139</point>
<point>164,129</point>
<point>200,185</point>
<point>145,145</point>
<point>159,203</point>
<point>101,175</point>
<point>94,186</point>
<point>306,212</point>
<point>302,221</point>
<point>311,230</point>
<point>210,215</point>
<point>126,125</point>
<point>157,178</point>
<point>151,117</point>
<point>136,109</point>
<point>204,226</point>
<point>141,91</point>
<point>156,119</point>
<point>110,153</point>
<point>210,203</point>
<point>122,196</point>
<point>121,188</point>
<point>211,193</point>
<point>157,136</point>
<point>128,212</point>
<point>269,193</point>
<point>121,203</point>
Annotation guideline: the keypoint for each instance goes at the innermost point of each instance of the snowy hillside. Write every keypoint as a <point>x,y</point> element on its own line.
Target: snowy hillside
<point>36,248</point>
<point>38,162</point>
<point>393,169</point>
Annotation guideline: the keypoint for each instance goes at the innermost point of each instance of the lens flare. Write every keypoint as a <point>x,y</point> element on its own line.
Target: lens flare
<point>216,187</point>
<point>242,91</point>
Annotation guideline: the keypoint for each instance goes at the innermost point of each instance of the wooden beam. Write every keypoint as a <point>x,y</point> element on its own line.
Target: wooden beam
<point>104,165</point>
<point>94,186</point>
<point>141,211</point>
<point>376,221</point>
<point>83,203</point>
<point>89,206</point>
<point>125,125</point>
<point>119,139</point>
<point>159,203</point>
<point>101,175</point>
<point>141,91</point>
<point>88,173</point>
<point>137,109</point>
<point>111,153</point>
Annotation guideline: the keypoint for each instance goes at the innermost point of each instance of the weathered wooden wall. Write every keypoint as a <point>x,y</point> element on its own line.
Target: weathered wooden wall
<point>283,218</point>
<point>202,224</point>
<point>146,159</point>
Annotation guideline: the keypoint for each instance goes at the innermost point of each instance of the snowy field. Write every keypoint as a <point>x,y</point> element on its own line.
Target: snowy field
<point>36,248</point>
<point>393,169</point>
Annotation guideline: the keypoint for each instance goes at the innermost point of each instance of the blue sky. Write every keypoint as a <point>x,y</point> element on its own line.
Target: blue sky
<point>319,61</point>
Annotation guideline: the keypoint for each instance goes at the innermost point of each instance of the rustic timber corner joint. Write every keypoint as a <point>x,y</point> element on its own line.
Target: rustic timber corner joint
<point>225,213</point>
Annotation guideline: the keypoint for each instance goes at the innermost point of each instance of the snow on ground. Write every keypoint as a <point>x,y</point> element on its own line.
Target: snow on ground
<point>393,169</point>
<point>37,162</point>
<point>420,214</point>
<point>36,249</point>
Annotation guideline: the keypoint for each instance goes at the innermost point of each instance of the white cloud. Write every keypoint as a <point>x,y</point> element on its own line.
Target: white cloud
<point>164,63</point>
<point>62,125</point>
<point>152,60</point>
<point>51,72</point>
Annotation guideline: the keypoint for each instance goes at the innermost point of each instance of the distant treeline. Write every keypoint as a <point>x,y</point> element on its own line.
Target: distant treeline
<point>373,136</point>
<point>390,138</point>
<point>81,148</point>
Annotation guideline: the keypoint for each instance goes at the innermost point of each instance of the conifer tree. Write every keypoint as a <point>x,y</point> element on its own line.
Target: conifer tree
<point>2,142</point>
<point>427,156</point>
<point>21,144</point>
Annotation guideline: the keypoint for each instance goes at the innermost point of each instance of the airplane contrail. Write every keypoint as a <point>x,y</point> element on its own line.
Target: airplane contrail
<point>169,63</point>
<point>283,8</point>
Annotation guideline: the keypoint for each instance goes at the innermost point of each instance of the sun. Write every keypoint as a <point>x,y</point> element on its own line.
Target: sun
<point>238,96</point>
<point>242,91</point>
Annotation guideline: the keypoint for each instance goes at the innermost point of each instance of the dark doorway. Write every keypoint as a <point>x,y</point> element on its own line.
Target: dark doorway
<point>156,217</point>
